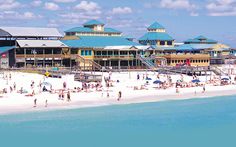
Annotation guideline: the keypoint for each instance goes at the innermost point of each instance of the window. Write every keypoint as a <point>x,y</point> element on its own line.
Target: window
<point>162,42</point>
<point>98,53</point>
<point>74,51</point>
<point>82,53</point>
<point>86,52</point>
<point>169,42</point>
<point>109,53</point>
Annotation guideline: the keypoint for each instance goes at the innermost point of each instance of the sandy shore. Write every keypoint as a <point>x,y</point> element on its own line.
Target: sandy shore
<point>112,101</point>
<point>18,103</point>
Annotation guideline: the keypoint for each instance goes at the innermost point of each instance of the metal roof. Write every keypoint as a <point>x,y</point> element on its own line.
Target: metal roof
<point>93,22</point>
<point>99,41</point>
<point>138,47</point>
<point>86,29</point>
<point>29,32</point>
<point>201,39</point>
<point>4,49</point>
<point>192,47</point>
<point>40,43</point>
<point>156,36</point>
<point>156,25</point>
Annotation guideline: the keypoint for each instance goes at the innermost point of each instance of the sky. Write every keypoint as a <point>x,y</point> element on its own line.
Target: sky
<point>183,19</point>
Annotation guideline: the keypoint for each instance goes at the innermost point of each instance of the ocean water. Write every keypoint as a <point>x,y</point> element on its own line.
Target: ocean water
<point>188,123</point>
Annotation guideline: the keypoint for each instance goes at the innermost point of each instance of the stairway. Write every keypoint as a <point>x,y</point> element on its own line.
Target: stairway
<point>147,61</point>
<point>218,71</point>
<point>87,64</point>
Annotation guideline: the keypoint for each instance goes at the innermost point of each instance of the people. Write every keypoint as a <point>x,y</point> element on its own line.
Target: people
<point>35,102</point>
<point>64,85</point>
<point>138,77</point>
<point>68,96</point>
<point>44,89</point>
<point>203,89</point>
<point>119,95</point>
<point>46,103</point>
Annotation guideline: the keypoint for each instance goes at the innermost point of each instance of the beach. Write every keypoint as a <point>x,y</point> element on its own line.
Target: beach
<point>124,82</point>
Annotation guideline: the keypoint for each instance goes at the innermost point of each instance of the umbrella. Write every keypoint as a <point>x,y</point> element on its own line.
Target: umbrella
<point>157,82</point>
<point>196,81</point>
<point>46,84</point>
<point>149,79</point>
<point>225,79</point>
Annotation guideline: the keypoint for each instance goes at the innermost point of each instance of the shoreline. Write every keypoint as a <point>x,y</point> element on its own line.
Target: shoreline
<point>112,102</point>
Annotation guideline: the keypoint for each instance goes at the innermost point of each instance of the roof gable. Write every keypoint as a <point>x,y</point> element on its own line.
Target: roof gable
<point>156,25</point>
<point>31,32</point>
<point>93,22</point>
<point>99,42</point>
<point>156,36</point>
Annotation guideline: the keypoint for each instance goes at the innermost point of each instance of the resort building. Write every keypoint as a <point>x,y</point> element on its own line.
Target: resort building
<point>95,46</point>
<point>28,47</point>
<point>104,46</point>
<point>202,44</point>
<point>165,49</point>
<point>158,38</point>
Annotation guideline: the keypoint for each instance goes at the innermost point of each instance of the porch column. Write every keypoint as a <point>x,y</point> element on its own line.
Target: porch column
<point>52,58</point>
<point>25,56</point>
<point>43,57</point>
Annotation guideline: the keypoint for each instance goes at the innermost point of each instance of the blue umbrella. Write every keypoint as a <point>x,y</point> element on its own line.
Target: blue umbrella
<point>225,79</point>
<point>149,79</point>
<point>157,82</point>
<point>196,81</point>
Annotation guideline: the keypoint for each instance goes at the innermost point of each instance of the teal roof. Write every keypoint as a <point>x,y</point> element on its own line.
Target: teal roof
<point>192,47</point>
<point>86,29</point>
<point>156,36</point>
<point>98,42</point>
<point>93,22</point>
<point>156,25</point>
<point>4,49</point>
<point>201,39</point>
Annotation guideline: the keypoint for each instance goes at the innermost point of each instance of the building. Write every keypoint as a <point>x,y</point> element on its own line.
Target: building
<point>202,44</point>
<point>105,46</point>
<point>28,47</point>
<point>165,48</point>
<point>158,38</point>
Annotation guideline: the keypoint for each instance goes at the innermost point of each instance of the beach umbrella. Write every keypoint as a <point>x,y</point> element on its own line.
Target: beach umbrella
<point>225,79</point>
<point>46,84</point>
<point>148,79</point>
<point>196,81</point>
<point>157,82</point>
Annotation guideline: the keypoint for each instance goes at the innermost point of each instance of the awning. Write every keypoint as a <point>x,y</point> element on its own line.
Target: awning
<point>4,49</point>
<point>40,43</point>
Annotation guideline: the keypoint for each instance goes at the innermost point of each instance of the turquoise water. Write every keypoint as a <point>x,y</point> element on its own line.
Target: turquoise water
<point>197,122</point>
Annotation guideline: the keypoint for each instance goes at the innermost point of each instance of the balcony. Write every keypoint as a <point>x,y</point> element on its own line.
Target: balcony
<point>114,57</point>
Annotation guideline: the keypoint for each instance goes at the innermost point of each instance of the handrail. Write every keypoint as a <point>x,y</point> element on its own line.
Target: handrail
<point>96,65</point>
<point>146,61</point>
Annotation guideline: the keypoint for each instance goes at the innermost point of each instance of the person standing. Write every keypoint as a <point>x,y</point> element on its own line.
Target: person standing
<point>138,77</point>
<point>14,86</point>
<point>35,102</point>
<point>203,89</point>
<point>68,96</point>
<point>119,95</point>
<point>46,103</point>
<point>64,85</point>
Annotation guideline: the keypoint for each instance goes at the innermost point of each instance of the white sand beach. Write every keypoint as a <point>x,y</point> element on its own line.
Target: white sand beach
<point>132,91</point>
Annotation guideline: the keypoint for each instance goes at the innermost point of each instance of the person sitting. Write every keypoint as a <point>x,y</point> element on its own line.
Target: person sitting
<point>44,89</point>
